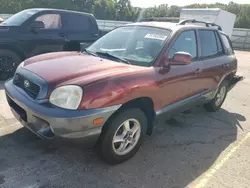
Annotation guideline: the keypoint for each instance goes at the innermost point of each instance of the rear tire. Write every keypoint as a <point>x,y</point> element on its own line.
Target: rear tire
<point>118,143</point>
<point>9,61</point>
<point>215,104</point>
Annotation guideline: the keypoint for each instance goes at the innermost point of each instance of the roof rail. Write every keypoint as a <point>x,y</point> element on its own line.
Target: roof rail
<point>183,22</point>
<point>160,19</point>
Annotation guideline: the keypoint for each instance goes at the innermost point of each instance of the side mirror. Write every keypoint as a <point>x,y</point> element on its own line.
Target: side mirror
<point>181,58</point>
<point>37,25</point>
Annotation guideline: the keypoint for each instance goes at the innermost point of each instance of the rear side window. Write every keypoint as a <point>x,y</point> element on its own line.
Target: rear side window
<point>209,47</point>
<point>77,22</point>
<point>186,42</point>
<point>227,44</point>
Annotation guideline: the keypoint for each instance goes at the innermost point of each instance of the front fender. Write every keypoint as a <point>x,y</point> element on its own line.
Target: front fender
<point>117,91</point>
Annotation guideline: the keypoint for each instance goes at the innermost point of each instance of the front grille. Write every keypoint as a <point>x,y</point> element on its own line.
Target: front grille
<point>28,86</point>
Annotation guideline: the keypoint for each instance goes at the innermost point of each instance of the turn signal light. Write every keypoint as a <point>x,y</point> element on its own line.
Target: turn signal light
<point>98,121</point>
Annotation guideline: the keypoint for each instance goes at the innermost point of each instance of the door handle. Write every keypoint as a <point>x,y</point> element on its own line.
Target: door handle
<point>198,71</point>
<point>62,34</point>
<point>226,66</point>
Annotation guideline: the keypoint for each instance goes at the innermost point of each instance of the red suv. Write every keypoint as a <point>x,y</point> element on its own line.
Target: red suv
<point>111,93</point>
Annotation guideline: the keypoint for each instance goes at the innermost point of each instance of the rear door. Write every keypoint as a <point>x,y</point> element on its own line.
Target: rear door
<point>215,60</point>
<point>51,38</point>
<point>80,28</point>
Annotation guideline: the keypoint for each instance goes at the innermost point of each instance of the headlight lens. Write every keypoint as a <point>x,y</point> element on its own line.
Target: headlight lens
<point>68,97</point>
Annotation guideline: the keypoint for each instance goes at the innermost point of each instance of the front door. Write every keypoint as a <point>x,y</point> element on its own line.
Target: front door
<point>51,38</point>
<point>181,83</point>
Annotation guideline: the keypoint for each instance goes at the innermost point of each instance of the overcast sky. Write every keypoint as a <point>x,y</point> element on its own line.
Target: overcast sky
<point>148,3</point>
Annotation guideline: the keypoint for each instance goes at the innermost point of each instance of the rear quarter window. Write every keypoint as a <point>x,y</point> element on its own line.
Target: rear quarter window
<point>227,44</point>
<point>219,44</point>
<point>77,22</point>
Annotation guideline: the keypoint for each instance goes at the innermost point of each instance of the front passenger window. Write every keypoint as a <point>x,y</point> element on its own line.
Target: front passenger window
<point>51,21</point>
<point>186,42</point>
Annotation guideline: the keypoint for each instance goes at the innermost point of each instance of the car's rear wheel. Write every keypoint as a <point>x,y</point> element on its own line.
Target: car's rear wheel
<point>9,61</point>
<point>219,98</point>
<point>121,137</point>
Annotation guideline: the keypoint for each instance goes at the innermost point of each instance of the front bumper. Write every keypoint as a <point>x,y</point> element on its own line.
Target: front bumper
<point>48,121</point>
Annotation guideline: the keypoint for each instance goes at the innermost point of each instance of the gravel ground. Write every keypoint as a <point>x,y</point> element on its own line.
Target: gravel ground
<point>180,153</point>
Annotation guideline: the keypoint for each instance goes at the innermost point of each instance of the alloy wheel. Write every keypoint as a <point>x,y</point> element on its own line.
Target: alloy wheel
<point>126,137</point>
<point>220,95</point>
<point>7,64</point>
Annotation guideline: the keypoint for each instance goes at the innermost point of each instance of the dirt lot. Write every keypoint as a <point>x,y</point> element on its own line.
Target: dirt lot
<point>200,149</point>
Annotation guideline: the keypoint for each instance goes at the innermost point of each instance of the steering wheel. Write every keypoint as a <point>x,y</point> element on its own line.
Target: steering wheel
<point>141,52</point>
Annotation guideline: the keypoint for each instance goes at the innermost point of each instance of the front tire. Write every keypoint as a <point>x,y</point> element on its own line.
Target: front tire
<point>9,61</point>
<point>215,104</point>
<point>122,136</point>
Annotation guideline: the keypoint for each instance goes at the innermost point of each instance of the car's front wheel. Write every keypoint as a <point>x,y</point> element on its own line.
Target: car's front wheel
<point>122,136</point>
<point>219,98</point>
<point>9,61</point>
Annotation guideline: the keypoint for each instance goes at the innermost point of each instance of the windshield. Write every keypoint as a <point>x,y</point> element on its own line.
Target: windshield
<point>19,18</point>
<point>138,45</point>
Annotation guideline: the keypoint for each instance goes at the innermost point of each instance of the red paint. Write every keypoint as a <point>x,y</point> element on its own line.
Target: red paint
<point>108,83</point>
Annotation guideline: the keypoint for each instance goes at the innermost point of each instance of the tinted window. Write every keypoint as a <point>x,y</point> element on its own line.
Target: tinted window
<point>186,42</point>
<point>208,43</point>
<point>219,45</point>
<point>20,17</point>
<point>76,22</point>
<point>228,47</point>
<point>51,21</point>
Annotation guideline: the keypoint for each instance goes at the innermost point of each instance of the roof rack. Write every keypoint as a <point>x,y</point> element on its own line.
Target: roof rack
<point>183,22</point>
<point>160,19</point>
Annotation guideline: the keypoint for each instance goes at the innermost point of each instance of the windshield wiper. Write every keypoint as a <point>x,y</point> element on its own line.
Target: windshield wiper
<point>106,54</point>
<point>91,53</point>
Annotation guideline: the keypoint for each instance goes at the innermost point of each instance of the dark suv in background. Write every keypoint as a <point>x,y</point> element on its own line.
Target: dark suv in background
<point>36,31</point>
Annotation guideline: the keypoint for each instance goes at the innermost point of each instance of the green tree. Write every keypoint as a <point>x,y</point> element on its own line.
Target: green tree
<point>124,10</point>
<point>174,11</point>
<point>104,9</point>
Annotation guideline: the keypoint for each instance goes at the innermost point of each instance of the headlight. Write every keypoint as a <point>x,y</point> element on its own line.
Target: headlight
<point>68,97</point>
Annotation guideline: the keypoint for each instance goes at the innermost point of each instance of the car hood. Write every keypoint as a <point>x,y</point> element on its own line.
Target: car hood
<point>76,68</point>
